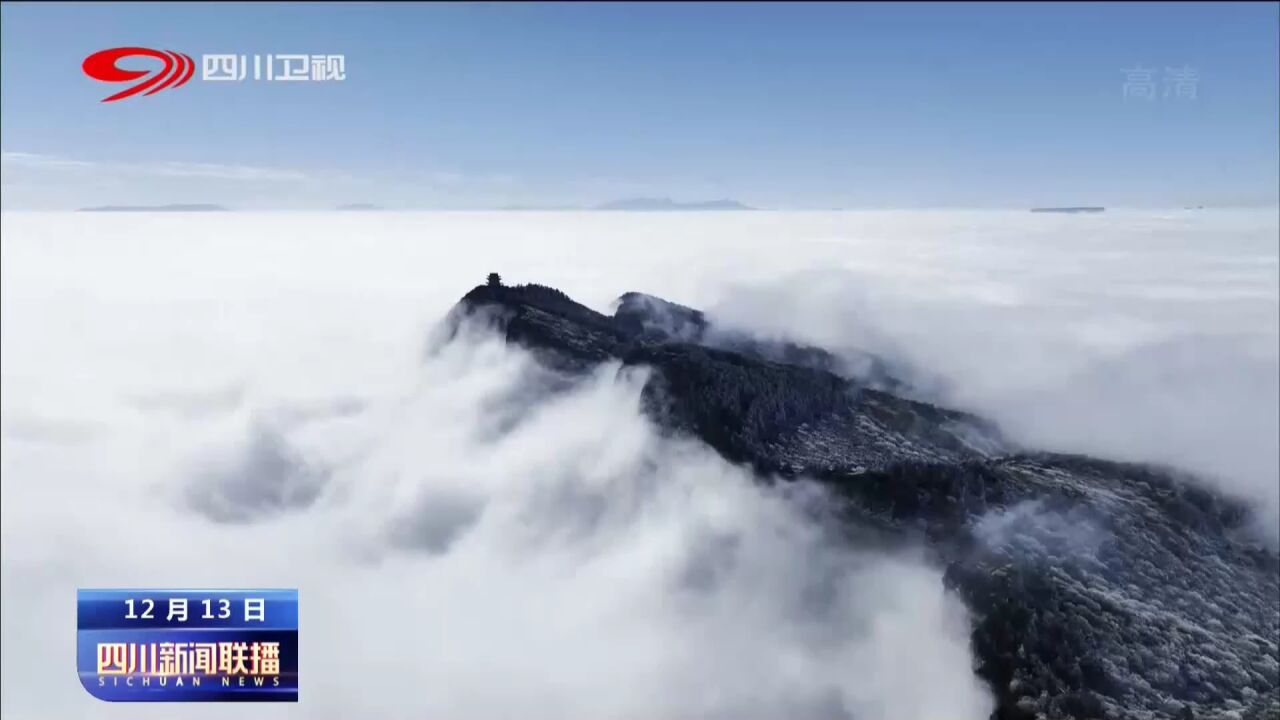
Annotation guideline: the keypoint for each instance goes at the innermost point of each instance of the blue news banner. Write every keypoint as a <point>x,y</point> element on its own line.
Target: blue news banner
<point>172,645</point>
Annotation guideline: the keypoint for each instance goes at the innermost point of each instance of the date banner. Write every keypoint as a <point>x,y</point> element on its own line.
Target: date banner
<point>172,645</point>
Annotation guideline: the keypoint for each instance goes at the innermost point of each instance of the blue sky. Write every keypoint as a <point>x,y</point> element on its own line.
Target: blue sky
<point>777,105</point>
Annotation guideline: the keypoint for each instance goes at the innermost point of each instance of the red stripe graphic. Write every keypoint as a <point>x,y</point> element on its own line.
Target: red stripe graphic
<point>177,70</point>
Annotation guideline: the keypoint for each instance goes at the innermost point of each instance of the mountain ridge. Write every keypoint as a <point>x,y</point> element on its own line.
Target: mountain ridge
<point>1097,589</point>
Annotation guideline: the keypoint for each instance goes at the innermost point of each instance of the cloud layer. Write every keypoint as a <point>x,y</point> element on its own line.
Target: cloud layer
<point>247,401</point>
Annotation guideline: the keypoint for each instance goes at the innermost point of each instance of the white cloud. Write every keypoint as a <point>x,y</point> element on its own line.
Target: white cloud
<point>555,554</point>
<point>36,160</point>
<point>160,169</point>
<point>36,181</point>
<point>1140,336</point>
<point>220,172</point>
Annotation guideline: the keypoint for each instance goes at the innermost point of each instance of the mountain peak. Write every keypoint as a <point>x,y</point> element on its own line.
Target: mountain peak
<point>1076,571</point>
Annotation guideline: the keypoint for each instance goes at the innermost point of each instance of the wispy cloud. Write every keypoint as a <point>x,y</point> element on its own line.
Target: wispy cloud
<point>215,171</point>
<point>223,172</point>
<point>26,159</point>
<point>52,180</point>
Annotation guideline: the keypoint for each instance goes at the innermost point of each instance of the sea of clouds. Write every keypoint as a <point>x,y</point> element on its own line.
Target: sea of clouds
<point>259,399</point>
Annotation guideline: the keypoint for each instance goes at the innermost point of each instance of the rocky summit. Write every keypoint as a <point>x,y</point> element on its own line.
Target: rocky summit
<point>1096,589</point>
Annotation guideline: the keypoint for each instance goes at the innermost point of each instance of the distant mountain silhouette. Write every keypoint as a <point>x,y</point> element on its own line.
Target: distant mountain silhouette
<point>177,207</point>
<point>669,204</point>
<point>359,206</point>
<point>1081,209</point>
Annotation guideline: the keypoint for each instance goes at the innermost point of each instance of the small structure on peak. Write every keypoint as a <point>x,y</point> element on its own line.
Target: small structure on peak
<point>495,280</point>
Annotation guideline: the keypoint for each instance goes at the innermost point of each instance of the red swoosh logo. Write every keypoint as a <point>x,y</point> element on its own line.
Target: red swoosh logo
<point>177,70</point>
